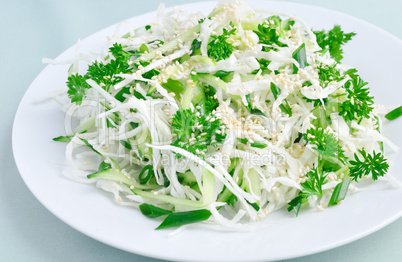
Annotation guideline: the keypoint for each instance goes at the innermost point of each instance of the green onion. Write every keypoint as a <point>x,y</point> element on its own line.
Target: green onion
<point>63,138</point>
<point>300,56</point>
<point>397,112</point>
<point>153,211</point>
<point>184,218</point>
<point>148,171</point>
<point>90,146</point>
<point>104,166</point>
<point>126,144</point>
<point>340,192</point>
<point>254,144</point>
<point>221,73</point>
<point>285,105</point>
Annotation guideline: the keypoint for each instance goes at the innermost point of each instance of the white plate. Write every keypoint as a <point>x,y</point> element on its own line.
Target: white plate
<point>373,51</point>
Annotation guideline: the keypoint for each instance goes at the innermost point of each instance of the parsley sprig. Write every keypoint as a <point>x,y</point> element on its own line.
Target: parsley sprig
<point>270,30</point>
<point>359,103</point>
<point>197,129</point>
<point>103,73</point>
<point>325,143</point>
<point>333,40</point>
<point>312,186</point>
<point>374,164</point>
<point>218,47</point>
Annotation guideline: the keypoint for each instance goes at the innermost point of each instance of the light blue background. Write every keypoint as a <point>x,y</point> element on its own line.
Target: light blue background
<point>30,30</point>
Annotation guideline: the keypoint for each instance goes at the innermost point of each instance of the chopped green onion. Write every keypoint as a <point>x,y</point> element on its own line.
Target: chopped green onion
<point>153,211</point>
<point>397,112</point>
<point>340,192</point>
<point>184,218</point>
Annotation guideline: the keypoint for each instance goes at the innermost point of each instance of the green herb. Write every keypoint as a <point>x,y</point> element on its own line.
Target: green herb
<point>218,47</point>
<point>126,144</point>
<point>222,74</point>
<point>90,146</point>
<point>196,130</point>
<point>153,211</point>
<point>251,109</point>
<point>397,112</point>
<point>174,86</point>
<point>340,192</point>
<point>184,218</point>
<point>271,30</point>
<point>120,95</point>
<point>300,56</point>
<point>325,143</point>
<point>103,165</point>
<point>311,187</point>
<point>359,103</point>
<point>146,173</point>
<point>254,144</point>
<point>333,40</point>
<point>328,74</point>
<point>264,63</point>
<point>195,47</point>
<point>63,138</point>
<point>76,88</point>
<point>276,91</point>
<point>374,164</point>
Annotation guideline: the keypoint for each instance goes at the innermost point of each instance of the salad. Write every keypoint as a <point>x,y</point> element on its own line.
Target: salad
<point>223,118</point>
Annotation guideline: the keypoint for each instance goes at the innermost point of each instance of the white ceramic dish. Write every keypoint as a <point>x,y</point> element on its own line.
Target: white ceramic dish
<point>373,51</point>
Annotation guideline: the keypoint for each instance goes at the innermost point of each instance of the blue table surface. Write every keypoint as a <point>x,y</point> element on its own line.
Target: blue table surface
<point>30,30</point>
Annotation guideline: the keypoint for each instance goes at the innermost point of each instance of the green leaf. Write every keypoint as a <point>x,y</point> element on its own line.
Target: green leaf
<point>270,31</point>
<point>295,204</point>
<point>174,86</point>
<point>90,146</point>
<point>76,88</point>
<point>254,205</point>
<point>195,47</point>
<point>126,144</point>
<point>150,74</point>
<point>397,112</point>
<point>196,130</point>
<point>104,166</point>
<point>374,164</point>
<point>144,48</point>
<point>120,95</point>
<point>285,105</point>
<point>153,211</point>
<point>359,103</point>
<point>300,56</point>
<point>313,184</point>
<point>325,143</point>
<point>254,111</point>
<point>222,74</point>
<point>138,95</point>
<point>133,125</point>
<point>264,63</point>
<point>63,138</point>
<point>254,144</point>
<point>184,218</point>
<point>333,40</point>
<point>146,173</point>
<point>340,192</point>
<point>218,47</point>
